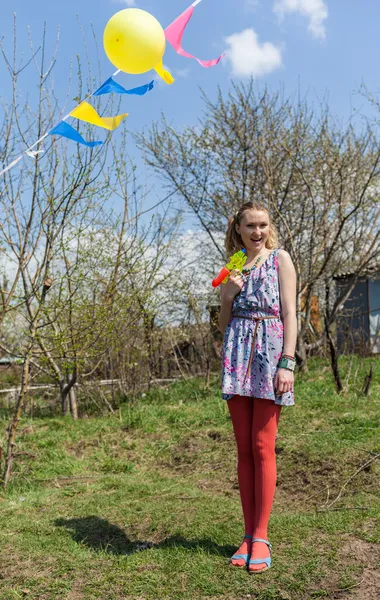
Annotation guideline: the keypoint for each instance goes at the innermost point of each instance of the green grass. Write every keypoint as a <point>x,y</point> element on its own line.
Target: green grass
<point>144,504</point>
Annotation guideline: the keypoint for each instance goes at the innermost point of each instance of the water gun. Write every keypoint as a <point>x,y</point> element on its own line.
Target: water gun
<point>237,261</point>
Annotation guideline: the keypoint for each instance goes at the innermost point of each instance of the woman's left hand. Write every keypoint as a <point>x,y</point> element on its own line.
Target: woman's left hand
<point>284,381</point>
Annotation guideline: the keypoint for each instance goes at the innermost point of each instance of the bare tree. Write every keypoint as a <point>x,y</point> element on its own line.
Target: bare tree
<point>38,202</point>
<point>90,284</point>
<point>318,178</point>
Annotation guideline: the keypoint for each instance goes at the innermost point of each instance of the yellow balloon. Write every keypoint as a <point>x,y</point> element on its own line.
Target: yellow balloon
<point>134,42</point>
<point>166,76</point>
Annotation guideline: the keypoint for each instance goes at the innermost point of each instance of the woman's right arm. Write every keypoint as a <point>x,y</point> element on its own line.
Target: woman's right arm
<point>228,292</point>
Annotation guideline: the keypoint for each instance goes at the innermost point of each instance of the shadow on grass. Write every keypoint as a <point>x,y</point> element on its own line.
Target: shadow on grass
<point>100,535</point>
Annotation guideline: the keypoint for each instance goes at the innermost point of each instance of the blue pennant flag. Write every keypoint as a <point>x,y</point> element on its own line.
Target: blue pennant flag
<point>111,87</point>
<point>65,130</point>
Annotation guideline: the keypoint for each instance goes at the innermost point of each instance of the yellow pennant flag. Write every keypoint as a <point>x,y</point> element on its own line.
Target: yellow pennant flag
<point>86,112</point>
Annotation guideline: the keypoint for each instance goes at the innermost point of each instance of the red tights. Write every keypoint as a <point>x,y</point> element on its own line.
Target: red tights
<point>255,423</point>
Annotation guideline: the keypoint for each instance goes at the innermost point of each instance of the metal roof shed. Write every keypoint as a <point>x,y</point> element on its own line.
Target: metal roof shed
<point>358,326</point>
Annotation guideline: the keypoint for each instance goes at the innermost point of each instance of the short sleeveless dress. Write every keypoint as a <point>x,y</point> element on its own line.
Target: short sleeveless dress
<point>254,337</point>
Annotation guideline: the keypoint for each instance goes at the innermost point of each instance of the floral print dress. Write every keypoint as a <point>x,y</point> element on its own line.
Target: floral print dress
<point>247,369</point>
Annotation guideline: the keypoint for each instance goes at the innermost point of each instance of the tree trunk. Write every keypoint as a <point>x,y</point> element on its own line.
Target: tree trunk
<point>64,397</point>
<point>12,429</point>
<point>68,396</point>
<point>301,348</point>
<point>368,380</point>
<point>333,352</point>
<point>73,403</point>
<point>301,355</point>
<point>333,358</point>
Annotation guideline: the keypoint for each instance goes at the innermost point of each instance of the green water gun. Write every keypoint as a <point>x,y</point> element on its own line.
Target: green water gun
<point>237,261</point>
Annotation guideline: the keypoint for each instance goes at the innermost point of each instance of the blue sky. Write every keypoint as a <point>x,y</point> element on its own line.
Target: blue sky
<point>322,46</point>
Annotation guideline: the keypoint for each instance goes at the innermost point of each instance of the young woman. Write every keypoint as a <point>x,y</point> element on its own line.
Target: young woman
<point>258,318</point>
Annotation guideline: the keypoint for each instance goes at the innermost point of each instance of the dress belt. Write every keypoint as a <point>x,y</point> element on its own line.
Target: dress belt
<point>258,321</point>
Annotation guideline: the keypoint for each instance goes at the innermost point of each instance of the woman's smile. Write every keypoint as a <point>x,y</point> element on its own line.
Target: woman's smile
<point>254,229</point>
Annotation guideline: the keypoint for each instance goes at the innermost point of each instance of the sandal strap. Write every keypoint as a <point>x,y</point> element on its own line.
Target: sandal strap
<point>258,561</point>
<point>242,556</point>
<point>238,556</point>
<point>262,540</point>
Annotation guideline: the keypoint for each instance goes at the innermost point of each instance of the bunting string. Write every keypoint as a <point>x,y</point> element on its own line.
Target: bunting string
<point>65,130</point>
<point>87,113</point>
<point>54,131</point>
<point>112,87</point>
<point>174,34</point>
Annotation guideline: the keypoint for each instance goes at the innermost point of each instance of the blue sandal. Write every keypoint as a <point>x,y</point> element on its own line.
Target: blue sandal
<point>257,561</point>
<point>245,557</point>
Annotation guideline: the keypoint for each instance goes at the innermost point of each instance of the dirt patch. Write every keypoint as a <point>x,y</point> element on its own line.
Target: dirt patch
<point>80,448</point>
<point>227,485</point>
<point>186,454</point>
<point>76,592</point>
<point>15,569</point>
<point>309,482</point>
<point>216,436</point>
<point>30,429</point>
<point>368,587</point>
<point>366,556</point>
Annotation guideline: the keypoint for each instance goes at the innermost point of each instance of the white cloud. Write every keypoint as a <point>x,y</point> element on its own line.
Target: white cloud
<point>182,73</point>
<point>129,3</point>
<point>249,57</point>
<point>315,10</point>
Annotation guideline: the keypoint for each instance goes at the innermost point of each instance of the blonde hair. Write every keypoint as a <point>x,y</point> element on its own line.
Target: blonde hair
<point>234,242</point>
